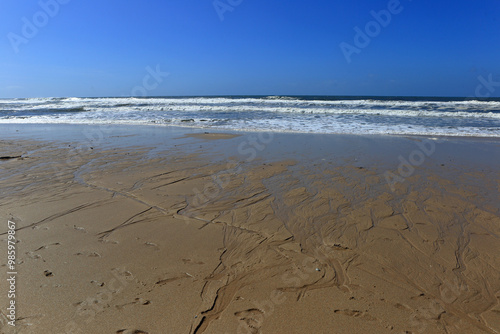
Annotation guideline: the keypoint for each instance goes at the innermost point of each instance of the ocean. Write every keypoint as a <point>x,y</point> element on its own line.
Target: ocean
<point>300,114</point>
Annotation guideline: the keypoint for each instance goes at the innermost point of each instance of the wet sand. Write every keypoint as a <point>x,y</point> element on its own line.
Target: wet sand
<point>175,231</point>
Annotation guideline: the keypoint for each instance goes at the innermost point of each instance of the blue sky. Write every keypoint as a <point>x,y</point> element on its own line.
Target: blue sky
<point>248,47</point>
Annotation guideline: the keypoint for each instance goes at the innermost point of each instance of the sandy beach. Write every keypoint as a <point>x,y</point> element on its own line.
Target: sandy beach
<point>126,230</point>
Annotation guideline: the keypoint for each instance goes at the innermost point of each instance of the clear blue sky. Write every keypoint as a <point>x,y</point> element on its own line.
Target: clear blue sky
<point>102,48</point>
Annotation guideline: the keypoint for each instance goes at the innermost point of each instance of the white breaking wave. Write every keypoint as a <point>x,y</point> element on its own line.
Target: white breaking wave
<point>289,114</point>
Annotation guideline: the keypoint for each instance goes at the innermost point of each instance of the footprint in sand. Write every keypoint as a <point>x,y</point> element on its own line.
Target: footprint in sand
<point>36,227</point>
<point>174,278</point>
<point>100,284</point>
<point>122,274</point>
<point>78,228</point>
<point>355,314</point>
<point>142,301</point>
<point>89,254</point>
<point>34,256</point>
<point>47,246</point>
<point>137,301</point>
<point>152,244</point>
<point>107,241</point>
<point>350,313</point>
<point>402,307</point>
<point>25,322</point>
<point>252,319</point>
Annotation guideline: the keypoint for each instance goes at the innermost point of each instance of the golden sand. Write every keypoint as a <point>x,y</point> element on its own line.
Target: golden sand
<point>117,241</point>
